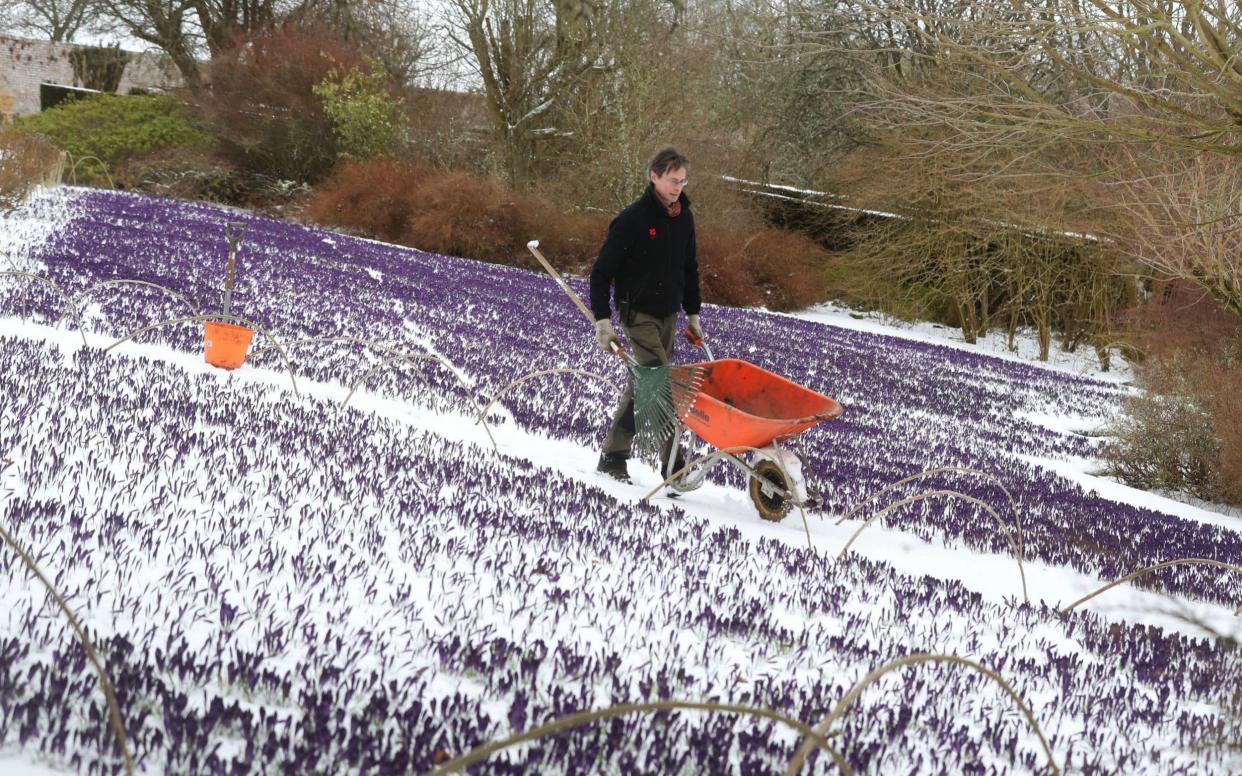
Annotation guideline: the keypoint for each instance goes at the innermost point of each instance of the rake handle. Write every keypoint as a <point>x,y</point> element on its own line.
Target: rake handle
<point>533,246</point>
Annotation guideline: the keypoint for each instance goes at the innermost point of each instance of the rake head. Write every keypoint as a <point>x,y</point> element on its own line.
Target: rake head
<point>662,397</point>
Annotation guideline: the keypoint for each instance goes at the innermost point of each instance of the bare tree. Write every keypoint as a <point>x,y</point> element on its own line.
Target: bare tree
<point>1180,214</point>
<point>54,20</point>
<point>396,33</point>
<point>193,31</point>
<point>982,241</point>
<point>1139,103</point>
<point>1074,67</point>
<point>644,91</point>
<point>528,55</point>
<point>187,29</point>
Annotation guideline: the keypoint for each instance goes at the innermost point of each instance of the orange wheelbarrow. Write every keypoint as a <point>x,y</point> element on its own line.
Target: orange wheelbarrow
<point>748,414</point>
<point>743,410</point>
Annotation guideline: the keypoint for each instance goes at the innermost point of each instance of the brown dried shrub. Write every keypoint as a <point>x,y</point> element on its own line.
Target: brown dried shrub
<point>466,215</point>
<point>772,268</point>
<point>260,101</point>
<point>26,160</point>
<point>1184,432</point>
<point>1226,412</point>
<point>1179,316</point>
<point>371,198</point>
<point>184,172</point>
<point>452,212</point>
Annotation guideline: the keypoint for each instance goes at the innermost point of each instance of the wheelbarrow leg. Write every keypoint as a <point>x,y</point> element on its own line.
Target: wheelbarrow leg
<point>689,481</point>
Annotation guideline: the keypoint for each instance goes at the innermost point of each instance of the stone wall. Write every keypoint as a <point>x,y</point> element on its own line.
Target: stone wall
<point>24,64</point>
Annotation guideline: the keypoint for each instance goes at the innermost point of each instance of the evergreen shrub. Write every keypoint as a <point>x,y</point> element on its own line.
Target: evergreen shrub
<point>100,131</point>
<point>363,112</point>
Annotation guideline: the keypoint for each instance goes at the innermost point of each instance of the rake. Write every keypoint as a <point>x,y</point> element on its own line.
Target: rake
<point>663,395</point>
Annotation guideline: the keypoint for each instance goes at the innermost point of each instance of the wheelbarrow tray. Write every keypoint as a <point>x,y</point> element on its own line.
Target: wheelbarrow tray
<point>743,405</point>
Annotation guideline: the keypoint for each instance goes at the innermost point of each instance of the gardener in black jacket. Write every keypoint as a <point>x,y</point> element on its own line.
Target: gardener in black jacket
<point>649,256</point>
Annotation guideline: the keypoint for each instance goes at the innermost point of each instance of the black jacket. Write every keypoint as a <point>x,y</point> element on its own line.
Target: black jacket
<point>651,258</point>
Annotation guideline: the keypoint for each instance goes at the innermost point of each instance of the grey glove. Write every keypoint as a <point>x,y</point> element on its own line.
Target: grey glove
<point>695,327</point>
<point>606,336</point>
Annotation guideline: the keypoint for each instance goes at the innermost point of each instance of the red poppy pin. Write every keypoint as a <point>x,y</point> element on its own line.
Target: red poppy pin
<point>652,232</point>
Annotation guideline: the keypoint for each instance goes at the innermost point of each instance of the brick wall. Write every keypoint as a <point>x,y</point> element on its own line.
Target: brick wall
<point>24,64</point>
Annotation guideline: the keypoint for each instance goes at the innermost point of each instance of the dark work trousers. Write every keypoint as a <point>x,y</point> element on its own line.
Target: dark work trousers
<point>651,341</point>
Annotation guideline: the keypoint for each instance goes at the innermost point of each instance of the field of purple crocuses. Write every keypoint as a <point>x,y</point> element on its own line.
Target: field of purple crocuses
<point>280,580</point>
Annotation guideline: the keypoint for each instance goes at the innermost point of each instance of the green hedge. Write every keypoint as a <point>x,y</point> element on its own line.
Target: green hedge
<point>110,127</point>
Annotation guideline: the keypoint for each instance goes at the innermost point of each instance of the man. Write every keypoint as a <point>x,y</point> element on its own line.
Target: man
<point>649,257</point>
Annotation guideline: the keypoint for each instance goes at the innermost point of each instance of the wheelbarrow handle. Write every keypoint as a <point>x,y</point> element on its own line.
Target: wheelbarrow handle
<point>698,342</point>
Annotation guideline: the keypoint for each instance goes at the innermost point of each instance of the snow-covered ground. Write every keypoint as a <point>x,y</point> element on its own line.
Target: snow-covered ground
<point>282,581</point>
<point>1082,361</point>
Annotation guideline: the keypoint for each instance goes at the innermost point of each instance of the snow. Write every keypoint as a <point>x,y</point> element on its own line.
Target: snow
<point>1081,472</point>
<point>730,507</point>
<point>770,189</point>
<point>26,766</point>
<point>994,577</point>
<point>995,343</point>
<point>25,230</point>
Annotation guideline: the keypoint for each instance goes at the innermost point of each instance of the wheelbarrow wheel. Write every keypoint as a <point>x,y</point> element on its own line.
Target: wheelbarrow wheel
<point>773,506</point>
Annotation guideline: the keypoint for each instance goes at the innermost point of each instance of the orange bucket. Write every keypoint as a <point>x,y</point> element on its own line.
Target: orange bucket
<point>225,344</point>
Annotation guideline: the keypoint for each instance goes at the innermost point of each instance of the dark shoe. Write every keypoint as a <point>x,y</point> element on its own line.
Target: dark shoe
<point>613,464</point>
<point>679,463</point>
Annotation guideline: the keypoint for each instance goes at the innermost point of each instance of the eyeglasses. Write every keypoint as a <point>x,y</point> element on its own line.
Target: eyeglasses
<point>683,182</point>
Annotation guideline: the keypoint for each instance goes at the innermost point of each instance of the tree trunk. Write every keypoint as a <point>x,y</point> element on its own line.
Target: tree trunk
<point>966,316</point>
<point>186,64</point>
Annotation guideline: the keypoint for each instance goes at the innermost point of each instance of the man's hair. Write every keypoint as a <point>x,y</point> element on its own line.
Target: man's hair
<point>666,159</point>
